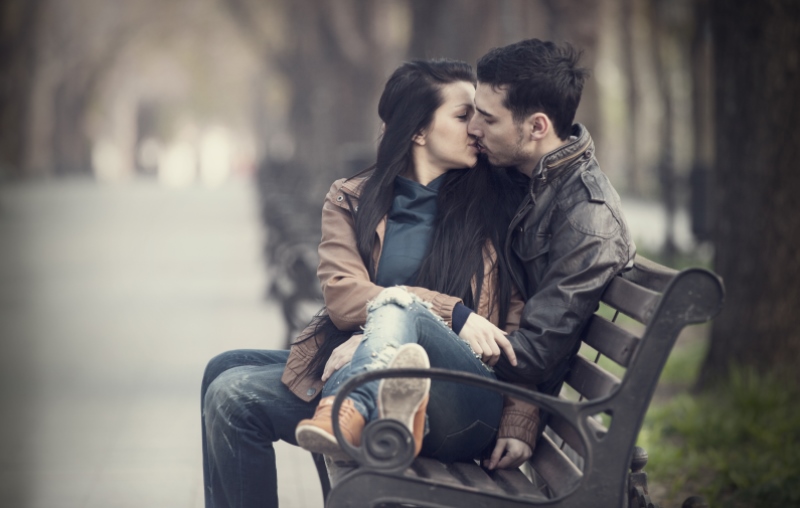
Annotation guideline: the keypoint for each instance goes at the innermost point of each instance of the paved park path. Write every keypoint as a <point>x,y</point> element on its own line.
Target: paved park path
<point>112,299</point>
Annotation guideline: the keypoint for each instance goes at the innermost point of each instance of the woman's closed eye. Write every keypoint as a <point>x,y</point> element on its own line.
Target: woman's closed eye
<point>465,117</point>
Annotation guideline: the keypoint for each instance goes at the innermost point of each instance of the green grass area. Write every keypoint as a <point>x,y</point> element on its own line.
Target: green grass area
<point>738,446</point>
<point>697,258</point>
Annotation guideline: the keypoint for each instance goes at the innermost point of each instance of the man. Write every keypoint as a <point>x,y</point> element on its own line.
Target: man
<point>569,237</point>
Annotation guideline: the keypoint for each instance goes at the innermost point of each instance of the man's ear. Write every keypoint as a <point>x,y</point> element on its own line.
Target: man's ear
<point>538,126</point>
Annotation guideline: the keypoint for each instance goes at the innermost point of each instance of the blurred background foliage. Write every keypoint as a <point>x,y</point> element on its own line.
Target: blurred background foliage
<point>692,104</point>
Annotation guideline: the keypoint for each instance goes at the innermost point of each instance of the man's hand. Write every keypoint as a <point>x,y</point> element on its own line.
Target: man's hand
<point>508,453</point>
<point>341,355</point>
<point>487,340</point>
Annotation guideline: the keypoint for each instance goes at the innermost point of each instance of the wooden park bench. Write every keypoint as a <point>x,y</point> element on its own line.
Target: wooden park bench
<point>586,456</point>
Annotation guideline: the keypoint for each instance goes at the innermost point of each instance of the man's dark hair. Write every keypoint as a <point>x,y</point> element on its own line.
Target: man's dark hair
<point>538,76</point>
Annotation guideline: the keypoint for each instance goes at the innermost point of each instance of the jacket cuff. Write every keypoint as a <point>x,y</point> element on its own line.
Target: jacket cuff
<point>520,420</point>
<point>460,315</point>
<point>442,306</point>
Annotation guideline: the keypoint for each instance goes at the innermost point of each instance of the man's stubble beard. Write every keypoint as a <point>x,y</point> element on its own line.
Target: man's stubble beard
<point>516,155</point>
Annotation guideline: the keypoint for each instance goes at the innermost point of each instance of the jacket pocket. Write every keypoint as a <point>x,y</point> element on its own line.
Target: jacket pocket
<point>532,247</point>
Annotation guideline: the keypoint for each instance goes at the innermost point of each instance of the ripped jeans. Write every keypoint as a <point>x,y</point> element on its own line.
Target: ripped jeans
<point>462,420</point>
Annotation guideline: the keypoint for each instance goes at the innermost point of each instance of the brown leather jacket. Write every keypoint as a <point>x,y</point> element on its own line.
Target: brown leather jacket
<point>347,288</point>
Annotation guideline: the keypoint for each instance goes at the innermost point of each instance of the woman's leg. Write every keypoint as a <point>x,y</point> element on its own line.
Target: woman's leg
<point>462,420</point>
<point>246,408</point>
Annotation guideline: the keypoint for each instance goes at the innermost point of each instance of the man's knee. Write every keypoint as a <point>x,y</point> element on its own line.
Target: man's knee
<point>222,398</point>
<point>218,365</point>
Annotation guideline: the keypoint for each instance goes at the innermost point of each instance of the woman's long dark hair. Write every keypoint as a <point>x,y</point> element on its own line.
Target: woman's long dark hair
<point>475,205</point>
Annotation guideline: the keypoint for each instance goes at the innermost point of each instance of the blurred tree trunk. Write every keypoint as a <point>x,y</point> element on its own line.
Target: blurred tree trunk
<point>757,219</point>
<point>334,57</point>
<point>467,29</point>
<point>457,29</point>
<point>73,47</point>
<point>702,123</point>
<point>18,35</point>
<point>660,32</point>
<point>632,173</point>
<point>576,22</point>
<point>71,148</point>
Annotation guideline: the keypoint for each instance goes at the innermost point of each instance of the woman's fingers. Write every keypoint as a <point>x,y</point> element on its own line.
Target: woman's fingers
<point>329,369</point>
<point>495,351</point>
<point>486,340</point>
<point>341,355</point>
<point>504,344</point>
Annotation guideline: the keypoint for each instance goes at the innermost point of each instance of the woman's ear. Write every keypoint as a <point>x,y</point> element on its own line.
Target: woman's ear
<point>419,138</point>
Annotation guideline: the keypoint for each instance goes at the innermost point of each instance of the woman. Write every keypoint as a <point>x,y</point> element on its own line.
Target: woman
<point>425,108</point>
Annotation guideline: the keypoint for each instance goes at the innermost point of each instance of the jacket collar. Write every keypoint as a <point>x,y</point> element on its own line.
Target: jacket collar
<point>556,162</point>
<point>352,186</point>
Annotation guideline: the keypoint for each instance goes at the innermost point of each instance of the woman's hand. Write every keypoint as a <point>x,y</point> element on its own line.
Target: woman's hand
<point>487,340</point>
<point>341,355</point>
<point>508,453</point>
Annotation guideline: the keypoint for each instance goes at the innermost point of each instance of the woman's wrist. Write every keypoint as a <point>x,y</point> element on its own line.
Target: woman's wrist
<point>460,315</point>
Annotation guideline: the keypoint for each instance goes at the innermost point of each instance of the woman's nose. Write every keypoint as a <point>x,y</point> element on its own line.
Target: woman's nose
<point>473,130</point>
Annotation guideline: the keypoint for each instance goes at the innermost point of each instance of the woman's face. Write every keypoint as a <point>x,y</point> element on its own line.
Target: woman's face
<point>447,143</point>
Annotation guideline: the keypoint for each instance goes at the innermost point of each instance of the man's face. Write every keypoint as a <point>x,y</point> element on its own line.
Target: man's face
<point>500,138</point>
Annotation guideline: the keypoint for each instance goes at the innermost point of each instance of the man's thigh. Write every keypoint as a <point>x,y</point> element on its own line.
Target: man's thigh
<point>256,393</point>
<point>240,358</point>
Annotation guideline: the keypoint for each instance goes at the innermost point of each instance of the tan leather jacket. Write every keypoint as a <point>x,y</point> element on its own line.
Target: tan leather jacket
<point>346,288</point>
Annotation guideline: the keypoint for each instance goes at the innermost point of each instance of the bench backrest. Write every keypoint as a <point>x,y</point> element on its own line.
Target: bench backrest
<point>613,379</point>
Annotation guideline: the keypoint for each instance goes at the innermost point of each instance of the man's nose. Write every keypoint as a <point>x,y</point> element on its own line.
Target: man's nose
<point>472,128</point>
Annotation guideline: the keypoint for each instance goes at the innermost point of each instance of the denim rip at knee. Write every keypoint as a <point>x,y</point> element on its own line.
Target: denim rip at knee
<point>395,317</point>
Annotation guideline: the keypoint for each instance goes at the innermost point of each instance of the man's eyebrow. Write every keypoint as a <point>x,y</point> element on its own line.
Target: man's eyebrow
<point>484,113</point>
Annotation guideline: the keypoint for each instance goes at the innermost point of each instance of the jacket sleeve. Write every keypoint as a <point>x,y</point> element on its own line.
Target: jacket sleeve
<point>346,286</point>
<point>587,248</point>
<point>520,420</point>
<point>515,311</point>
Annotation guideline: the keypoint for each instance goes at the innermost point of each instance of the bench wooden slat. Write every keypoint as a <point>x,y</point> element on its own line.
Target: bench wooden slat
<point>590,380</point>
<point>597,427</point>
<point>568,433</point>
<point>434,470</point>
<point>554,467</point>
<point>630,299</point>
<point>611,340</point>
<point>474,476</point>
<point>470,475</point>
<point>650,274</point>
<point>515,483</point>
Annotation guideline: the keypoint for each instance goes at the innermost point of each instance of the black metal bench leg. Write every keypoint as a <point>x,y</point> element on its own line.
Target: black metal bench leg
<point>638,495</point>
<point>322,471</point>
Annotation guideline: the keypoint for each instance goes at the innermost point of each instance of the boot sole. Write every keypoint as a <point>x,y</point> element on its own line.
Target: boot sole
<point>317,440</point>
<point>400,398</point>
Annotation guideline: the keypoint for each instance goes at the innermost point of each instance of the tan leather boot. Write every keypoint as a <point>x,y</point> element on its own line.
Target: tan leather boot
<point>316,434</point>
<point>406,399</point>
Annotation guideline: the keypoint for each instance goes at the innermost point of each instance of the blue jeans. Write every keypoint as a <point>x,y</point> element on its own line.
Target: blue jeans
<point>246,408</point>
<point>462,420</point>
